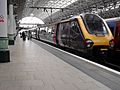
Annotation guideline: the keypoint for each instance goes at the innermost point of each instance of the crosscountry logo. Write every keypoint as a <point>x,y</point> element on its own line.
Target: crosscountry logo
<point>1,18</point>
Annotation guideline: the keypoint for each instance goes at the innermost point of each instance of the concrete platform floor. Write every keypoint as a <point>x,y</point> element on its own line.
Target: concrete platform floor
<point>33,68</point>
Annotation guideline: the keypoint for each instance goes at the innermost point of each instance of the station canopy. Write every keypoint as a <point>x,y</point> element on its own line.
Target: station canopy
<point>54,10</point>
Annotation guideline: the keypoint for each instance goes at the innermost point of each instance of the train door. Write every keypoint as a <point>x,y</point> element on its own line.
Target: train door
<point>56,38</point>
<point>51,32</point>
<point>39,33</point>
<point>67,31</point>
<point>117,34</point>
<point>75,37</point>
<point>62,34</point>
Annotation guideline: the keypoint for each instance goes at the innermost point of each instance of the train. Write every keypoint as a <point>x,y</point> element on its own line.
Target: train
<point>87,33</point>
<point>114,25</point>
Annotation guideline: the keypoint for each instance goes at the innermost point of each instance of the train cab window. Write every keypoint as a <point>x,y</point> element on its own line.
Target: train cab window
<point>94,24</point>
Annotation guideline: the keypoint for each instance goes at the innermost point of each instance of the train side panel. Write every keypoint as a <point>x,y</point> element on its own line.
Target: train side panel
<point>117,35</point>
<point>114,26</point>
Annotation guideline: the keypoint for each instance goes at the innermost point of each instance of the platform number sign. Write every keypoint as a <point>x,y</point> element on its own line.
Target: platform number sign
<point>1,18</point>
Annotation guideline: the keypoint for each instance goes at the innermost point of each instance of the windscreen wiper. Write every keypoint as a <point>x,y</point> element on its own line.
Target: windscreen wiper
<point>99,34</point>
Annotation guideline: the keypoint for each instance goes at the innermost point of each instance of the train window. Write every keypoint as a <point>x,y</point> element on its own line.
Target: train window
<point>64,33</point>
<point>53,30</point>
<point>59,33</point>
<point>76,38</point>
<point>74,31</point>
<point>112,25</point>
<point>95,24</point>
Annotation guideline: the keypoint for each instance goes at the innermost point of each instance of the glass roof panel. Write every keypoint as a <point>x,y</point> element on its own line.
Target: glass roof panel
<point>76,6</point>
<point>53,4</point>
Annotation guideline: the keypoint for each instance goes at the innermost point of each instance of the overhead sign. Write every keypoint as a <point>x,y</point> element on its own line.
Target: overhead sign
<point>1,18</point>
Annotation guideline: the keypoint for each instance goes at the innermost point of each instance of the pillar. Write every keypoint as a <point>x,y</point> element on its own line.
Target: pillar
<point>4,50</point>
<point>11,25</point>
<point>14,29</point>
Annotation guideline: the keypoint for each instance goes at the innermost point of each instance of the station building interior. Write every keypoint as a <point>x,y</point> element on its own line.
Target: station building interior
<point>37,64</point>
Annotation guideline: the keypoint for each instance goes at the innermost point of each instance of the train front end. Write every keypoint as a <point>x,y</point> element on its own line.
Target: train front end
<point>97,35</point>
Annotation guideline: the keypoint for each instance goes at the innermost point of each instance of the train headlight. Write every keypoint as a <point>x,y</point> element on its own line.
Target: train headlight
<point>112,44</point>
<point>89,43</point>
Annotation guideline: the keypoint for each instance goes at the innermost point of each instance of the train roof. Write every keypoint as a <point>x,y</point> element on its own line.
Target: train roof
<point>70,18</point>
<point>113,19</point>
<point>78,16</point>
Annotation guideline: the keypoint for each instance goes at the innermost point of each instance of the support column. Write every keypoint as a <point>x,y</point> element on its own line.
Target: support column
<point>4,51</point>
<point>14,28</point>
<point>11,25</point>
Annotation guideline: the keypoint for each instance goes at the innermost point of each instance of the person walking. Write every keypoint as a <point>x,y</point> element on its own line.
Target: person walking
<point>29,35</point>
<point>23,36</point>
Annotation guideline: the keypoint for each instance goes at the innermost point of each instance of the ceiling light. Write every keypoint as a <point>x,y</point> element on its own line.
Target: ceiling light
<point>32,14</point>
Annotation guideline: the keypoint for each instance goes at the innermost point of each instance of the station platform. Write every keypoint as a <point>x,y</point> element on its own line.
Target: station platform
<point>34,68</point>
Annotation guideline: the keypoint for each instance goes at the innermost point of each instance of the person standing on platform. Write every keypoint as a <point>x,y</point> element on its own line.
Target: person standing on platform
<point>29,35</point>
<point>23,36</point>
